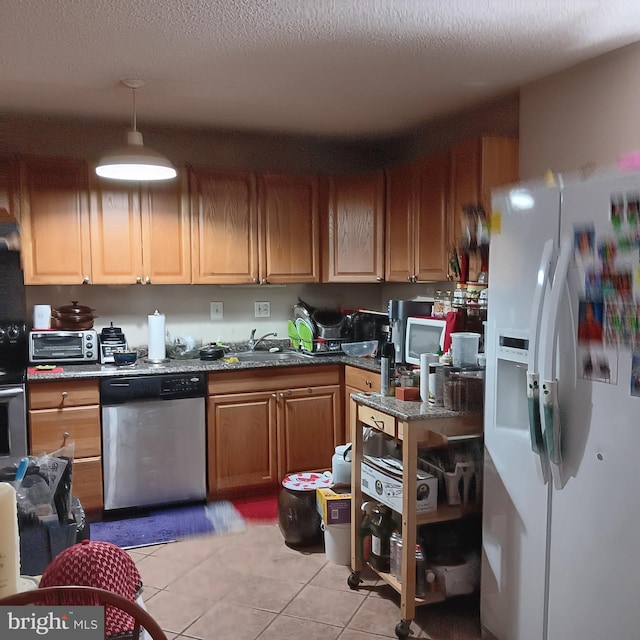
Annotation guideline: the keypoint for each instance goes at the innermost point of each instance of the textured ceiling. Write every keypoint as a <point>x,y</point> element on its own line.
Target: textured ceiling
<point>326,67</point>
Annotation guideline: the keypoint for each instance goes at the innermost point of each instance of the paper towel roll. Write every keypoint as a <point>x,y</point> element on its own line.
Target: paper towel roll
<point>9,541</point>
<point>425,360</point>
<point>156,337</point>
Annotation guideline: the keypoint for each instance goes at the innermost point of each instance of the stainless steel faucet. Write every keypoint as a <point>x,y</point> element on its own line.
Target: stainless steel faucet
<point>253,343</point>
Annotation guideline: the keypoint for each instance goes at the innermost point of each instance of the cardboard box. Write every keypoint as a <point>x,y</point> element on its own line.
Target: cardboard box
<point>381,478</point>
<point>408,394</point>
<point>334,506</point>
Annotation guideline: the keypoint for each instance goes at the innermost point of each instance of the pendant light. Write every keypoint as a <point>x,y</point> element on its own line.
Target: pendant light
<point>134,161</point>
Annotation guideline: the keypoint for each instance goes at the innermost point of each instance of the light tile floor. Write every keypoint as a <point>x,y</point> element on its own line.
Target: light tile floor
<point>251,586</point>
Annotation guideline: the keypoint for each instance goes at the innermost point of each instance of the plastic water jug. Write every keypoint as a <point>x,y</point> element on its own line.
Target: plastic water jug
<point>341,464</point>
<point>464,348</point>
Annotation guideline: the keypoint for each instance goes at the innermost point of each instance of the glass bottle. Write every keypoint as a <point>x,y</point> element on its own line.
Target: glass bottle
<point>421,577</point>
<point>396,555</point>
<point>382,526</point>
<point>364,531</point>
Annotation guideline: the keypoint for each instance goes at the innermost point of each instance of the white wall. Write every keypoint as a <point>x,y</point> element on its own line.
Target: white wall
<point>186,307</point>
<point>588,114</point>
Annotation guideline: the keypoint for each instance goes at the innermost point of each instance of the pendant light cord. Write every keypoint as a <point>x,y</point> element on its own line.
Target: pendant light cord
<point>134,122</point>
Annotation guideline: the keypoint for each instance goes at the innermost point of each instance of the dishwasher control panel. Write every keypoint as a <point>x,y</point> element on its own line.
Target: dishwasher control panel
<point>150,387</point>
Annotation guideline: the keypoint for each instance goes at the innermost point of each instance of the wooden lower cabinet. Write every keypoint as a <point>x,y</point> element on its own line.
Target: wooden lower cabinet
<point>309,428</point>
<point>357,381</point>
<point>263,424</point>
<point>242,440</point>
<point>70,407</point>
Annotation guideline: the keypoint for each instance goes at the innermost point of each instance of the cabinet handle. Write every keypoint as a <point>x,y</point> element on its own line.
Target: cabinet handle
<point>379,278</point>
<point>138,280</point>
<point>309,390</point>
<point>274,395</point>
<point>86,280</point>
<point>147,280</point>
<point>410,278</point>
<point>378,423</point>
<point>368,383</point>
<point>64,394</point>
<point>265,281</point>
<point>256,280</point>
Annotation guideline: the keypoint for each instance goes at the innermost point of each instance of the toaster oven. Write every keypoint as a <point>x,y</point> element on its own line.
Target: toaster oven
<point>59,347</point>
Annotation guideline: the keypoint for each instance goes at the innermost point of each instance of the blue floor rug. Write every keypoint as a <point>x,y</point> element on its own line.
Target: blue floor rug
<point>169,525</point>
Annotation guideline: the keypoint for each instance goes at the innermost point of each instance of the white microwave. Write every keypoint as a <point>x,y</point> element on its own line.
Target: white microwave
<point>424,335</point>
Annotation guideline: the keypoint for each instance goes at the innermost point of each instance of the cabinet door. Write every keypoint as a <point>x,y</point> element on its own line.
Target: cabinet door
<point>54,215</point>
<point>166,232</point>
<point>241,441</point>
<point>116,232</point>
<point>430,217</point>
<point>400,236</point>
<point>289,246</point>
<point>87,482</point>
<point>355,233</point>
<point>309,428</point>
<point>225,231</point>
<point>478,166</point>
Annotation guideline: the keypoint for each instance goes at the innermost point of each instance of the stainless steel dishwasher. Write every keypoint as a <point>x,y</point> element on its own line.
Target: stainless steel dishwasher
<point>153,439</point>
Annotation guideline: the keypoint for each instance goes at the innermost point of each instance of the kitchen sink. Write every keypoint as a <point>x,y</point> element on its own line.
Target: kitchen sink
<point>266,356</point>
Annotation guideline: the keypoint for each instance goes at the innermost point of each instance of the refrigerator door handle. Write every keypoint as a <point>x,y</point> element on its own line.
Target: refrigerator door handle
<point>533,378</point>
<point>550,408</point>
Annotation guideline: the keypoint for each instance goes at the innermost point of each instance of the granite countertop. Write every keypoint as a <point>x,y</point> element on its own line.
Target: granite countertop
<point>408,411</point>
<point>78,371</point>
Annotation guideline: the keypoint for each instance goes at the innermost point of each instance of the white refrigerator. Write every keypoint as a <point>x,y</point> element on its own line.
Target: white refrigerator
<point>561,512</point>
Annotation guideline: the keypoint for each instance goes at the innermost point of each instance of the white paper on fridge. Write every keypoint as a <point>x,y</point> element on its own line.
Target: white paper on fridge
<point>381,478</point>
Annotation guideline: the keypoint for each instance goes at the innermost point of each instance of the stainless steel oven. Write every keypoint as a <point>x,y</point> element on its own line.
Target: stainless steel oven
<point>13,421</point>
<point>13,409</point>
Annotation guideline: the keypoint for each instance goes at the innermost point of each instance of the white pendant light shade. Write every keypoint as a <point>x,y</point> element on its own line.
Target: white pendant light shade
<point>134,161</point>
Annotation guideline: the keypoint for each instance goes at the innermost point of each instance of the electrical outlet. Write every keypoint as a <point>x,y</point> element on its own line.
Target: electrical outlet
<point>262,309</point>
<point>216,311</point>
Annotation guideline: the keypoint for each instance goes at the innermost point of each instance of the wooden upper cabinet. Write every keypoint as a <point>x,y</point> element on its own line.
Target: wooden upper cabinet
<point>289,229</point>
<point>54,216</point>
<point>140,233</point>
<point>354,250</point>
<point>478,166</point>
<point>225,227</point>
<point>416,222</point>
<point>166,231</point>
<point>431,215</point>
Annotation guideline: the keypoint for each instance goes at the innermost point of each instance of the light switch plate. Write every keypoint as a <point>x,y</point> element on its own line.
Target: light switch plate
<point>216,311</point>
<point>262,309</point>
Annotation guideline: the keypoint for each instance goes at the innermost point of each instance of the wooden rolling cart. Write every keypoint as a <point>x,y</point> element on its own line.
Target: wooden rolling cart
<point>414,424</point>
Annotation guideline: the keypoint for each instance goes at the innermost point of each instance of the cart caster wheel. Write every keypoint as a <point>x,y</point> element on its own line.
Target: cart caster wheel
<point>403,629</point>
<point>354,580</point>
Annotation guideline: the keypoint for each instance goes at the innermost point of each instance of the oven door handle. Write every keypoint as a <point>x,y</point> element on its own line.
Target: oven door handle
<point>11,393</point>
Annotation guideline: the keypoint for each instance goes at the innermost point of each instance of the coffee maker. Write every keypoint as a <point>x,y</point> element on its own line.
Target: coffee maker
<point>399,311</point>
<point>370,325</point>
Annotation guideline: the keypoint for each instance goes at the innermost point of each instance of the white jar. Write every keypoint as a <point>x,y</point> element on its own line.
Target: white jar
<point>341,464</point>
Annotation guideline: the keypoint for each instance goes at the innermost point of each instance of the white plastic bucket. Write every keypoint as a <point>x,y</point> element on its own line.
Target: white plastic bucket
<point>337,542</point>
